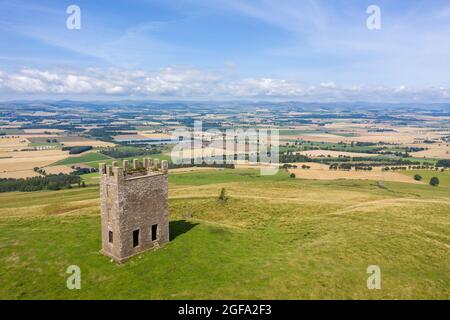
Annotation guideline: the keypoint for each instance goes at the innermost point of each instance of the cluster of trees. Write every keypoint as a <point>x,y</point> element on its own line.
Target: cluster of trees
<point>291,157</point>
<point>79,171</point>
<point>202,165</point>
<point>39,170</point>
<point>349,166</point>
<point>77,149</point>
<point>421,167</point>
<point>107,133</point>
<point>377,161</point>
<point>289,166</point>
<point>50,182</point>
<point>395,168</point>
<point>443,163</point>
<point>363,167</point>
<point>341,166</point>
<point>64,127</point>
<point>381,130</point>
<point>427,167</point>
<point>434,181</point>
<point>119,153</point>
<point>342,146</point>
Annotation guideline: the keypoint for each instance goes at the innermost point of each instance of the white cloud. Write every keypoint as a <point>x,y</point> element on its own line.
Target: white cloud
<point>186,83</point>
<point>328,85</point>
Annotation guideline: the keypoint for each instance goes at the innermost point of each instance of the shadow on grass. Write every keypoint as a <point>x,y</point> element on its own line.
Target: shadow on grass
<point>179,227</point>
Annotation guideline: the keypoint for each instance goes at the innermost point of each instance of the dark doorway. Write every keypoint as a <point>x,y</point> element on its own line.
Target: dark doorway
<point>135,238</point>
<point>154,232</point>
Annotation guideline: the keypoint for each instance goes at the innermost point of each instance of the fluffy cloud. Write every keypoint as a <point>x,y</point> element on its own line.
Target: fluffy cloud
<point>192,83</point>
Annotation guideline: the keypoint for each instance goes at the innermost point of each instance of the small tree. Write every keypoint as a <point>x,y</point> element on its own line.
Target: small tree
<point>417,177</point>
<point>223,195</point>
<point>434,181</point>
<point>83,184</point>
<point>292,175</point>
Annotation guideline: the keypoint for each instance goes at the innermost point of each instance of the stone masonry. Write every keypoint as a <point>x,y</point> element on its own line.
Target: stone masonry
<point>134,210</point>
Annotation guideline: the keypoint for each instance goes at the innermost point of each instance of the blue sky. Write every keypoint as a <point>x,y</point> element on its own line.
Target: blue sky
<point>226,49</point>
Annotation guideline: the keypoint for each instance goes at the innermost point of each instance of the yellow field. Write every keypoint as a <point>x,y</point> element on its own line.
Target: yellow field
<point>321,172</point>
<point>334,154</point>
<point>437,151</point>
<point>60,169</point>
<point>400,135</point>
<point>20,164</point>
<point>11,143</point>
<point>91,142</point>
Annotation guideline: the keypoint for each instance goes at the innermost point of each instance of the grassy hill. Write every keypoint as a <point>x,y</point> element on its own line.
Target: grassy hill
<point>275,238</point>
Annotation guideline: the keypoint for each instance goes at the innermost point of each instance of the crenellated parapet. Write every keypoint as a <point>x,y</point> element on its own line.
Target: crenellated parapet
<point>148,166</point>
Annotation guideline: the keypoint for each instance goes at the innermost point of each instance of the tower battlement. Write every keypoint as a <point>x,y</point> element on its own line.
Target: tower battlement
<point>134,210</point>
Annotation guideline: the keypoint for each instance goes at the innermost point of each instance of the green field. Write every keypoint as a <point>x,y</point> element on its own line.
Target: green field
<point>11,131</point>
<point>83,159</point>
<point>275,238</point>
<point>444,177</point>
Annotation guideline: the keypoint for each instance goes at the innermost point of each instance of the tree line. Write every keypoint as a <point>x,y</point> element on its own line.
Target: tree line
<point>49,182</point>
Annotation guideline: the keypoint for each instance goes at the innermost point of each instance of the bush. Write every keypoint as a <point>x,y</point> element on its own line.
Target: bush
<point>434,182</point>
<point>292,175</point>
<point>223,195</point>
<point>417,177</point>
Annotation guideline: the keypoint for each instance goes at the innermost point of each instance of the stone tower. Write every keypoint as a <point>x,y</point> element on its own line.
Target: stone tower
<point>133,207</point>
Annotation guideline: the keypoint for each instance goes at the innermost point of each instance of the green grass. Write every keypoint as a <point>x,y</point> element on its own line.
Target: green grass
<point>299,132</point>
<point>274,238</point>
<point>91,178</point>
<point>224,176</point>
<point>11,131</point>
<point>444,177</point>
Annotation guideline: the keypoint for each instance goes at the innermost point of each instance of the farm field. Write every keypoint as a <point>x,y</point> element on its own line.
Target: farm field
<point>82,159</point>
<point>275,238</point>
<point>439,151</point>
<point>374,175</point>
<point>11,143</point>
<point>17,160</point>
<point>20,164</point>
